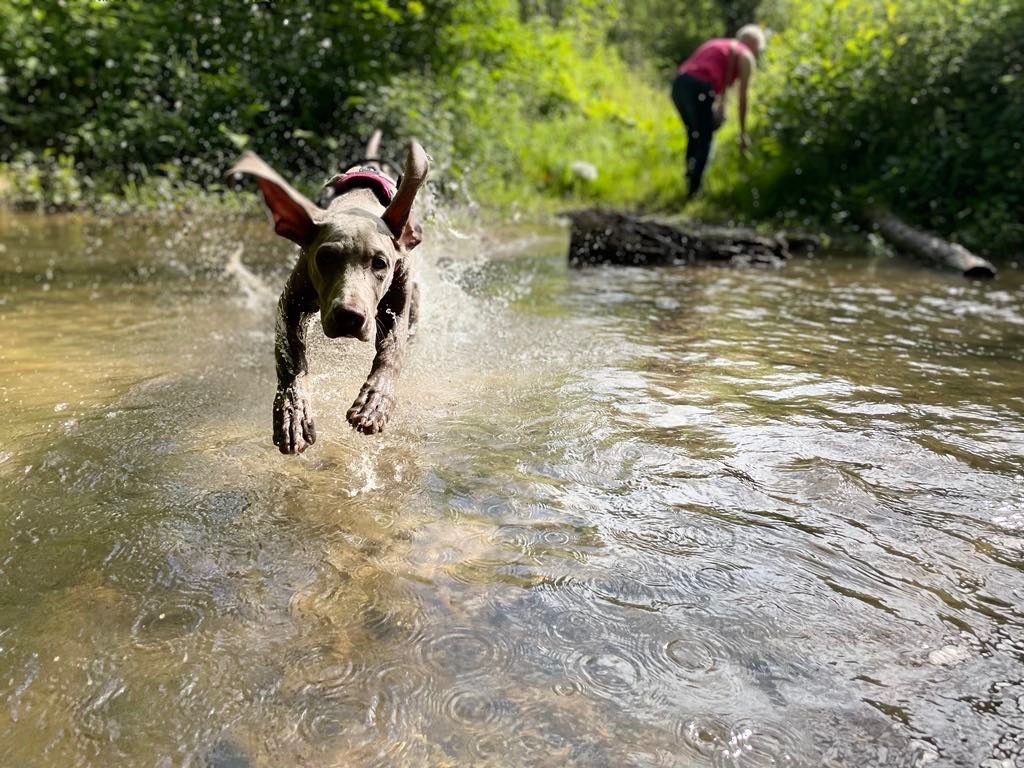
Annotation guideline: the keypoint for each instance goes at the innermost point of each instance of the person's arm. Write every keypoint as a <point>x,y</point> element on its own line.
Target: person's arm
<point>747,67</point>
<point>720,101</point>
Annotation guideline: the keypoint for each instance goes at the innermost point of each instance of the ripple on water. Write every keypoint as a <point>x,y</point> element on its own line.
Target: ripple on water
<point>717,577</point>
<point>743,743</point>
<point>715,651</point>
<point>470,706</point>
<point>680,539</point>
<point>606,674</point>
<point>491,747</point>
<point>402,679</point>
<point>553,537</point>
<point>166,622</point>
<point>546,553</point>
<point>401,689</point>
<point>481,559</point>
<point>691,656</point>
<point>392,612</point>
<point>93,711</point>
<point>702,735</point>
<point>534,541</point>
<point>753,744</point>
<point>546,734</point>
<point>646,583</point>
<point>573,626</point>
<point>320,666</point>
<point>468,553</point>
<point>327,714</point>
<point>347,721</point>
<point>468,653</point>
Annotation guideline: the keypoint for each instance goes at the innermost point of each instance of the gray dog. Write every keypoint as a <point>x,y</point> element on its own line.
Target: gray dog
<point>355,269</point>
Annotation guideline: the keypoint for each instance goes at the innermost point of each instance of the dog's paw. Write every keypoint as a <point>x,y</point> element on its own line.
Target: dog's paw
<point>293,420</point>
<point>372,409</point>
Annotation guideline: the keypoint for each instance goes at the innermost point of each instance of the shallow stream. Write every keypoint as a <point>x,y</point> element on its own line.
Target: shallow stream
<point>667,517</point>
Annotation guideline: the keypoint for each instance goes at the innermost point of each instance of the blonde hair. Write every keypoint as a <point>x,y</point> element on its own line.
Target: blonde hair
<point>753,33</point>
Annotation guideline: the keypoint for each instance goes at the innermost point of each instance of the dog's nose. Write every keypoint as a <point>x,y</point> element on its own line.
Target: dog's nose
<point>344,321</point>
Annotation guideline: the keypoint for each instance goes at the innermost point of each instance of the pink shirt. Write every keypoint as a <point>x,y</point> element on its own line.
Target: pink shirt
<point>710,63</point>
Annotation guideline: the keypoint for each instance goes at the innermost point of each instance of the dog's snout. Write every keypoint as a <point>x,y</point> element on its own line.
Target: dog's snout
<point>344,321</point>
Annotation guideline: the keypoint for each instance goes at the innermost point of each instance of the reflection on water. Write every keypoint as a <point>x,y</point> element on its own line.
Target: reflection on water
<point>650,518</point>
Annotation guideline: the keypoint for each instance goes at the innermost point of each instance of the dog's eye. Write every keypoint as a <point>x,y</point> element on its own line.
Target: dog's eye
<point>379,263</point>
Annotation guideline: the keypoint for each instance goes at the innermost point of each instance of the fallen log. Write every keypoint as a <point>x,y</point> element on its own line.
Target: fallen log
<point>602,236</point>
<point>927,246</point>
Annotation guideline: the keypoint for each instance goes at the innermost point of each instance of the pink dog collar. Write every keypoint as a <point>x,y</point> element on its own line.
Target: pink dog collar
<point>383,187</point>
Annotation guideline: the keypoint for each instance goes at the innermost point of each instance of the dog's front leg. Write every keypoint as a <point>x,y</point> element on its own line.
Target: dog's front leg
<point>293,416</point>
<point>376,401</point>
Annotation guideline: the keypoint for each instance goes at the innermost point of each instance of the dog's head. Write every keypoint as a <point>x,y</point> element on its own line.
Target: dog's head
<point>352,251</point>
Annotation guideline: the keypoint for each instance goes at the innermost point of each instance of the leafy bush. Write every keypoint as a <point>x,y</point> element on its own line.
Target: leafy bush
<point>504,95</point>
<point>128,86</point>
<point>45,181</point>
<point>917,104</point>
<point>529,99</point>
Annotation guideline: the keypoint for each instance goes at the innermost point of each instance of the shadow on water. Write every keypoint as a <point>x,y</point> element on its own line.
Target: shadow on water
<point>665,517</point>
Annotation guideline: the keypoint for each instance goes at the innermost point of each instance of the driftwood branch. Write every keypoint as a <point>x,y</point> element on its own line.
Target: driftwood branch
<point>928,246</point>
<point>609,237</point>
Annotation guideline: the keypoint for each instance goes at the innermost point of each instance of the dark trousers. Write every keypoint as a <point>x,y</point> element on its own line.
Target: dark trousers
<point>694,99</point>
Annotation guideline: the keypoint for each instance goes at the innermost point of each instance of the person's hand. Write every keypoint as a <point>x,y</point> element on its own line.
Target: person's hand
<point>744,143</point>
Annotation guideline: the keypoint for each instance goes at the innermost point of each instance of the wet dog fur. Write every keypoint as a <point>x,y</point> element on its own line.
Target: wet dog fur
<point>355,269</point>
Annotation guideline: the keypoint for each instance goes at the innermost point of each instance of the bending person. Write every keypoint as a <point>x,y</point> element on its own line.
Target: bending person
<point>699,93</point>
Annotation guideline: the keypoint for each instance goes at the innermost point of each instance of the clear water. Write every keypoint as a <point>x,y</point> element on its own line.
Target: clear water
<point>622,518</point>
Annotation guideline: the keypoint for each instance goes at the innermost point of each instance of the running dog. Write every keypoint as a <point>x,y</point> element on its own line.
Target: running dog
<point>355,269</point>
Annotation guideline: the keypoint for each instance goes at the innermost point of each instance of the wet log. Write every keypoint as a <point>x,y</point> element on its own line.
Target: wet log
<point>602,236</point>
<point>928,246</point>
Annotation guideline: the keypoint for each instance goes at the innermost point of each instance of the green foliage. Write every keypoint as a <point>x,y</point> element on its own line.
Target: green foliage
<point>657,34</point>
<point>506,94</point>
<point>45,181</point>
<point>736,13</point>
<point>125,86</point>
<point>917,104</point>
<point>532,97</point>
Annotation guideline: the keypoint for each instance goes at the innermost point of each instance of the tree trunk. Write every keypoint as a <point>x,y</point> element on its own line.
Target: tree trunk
<point>608,237</point>
<point>928,246</point>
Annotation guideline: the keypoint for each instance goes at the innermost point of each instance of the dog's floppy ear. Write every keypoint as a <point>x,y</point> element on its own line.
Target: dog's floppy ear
<point>293,212</point>
<point>397,214</point>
